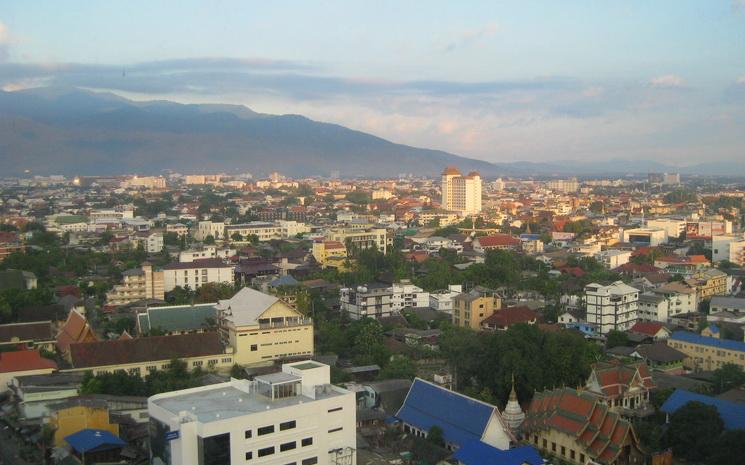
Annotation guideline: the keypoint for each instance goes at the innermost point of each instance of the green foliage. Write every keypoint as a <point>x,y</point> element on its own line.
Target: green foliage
<point>414,320</point>
<point>616,338</point>
<point>212,292</point>
<point>596,206</point>
<point>436,436</point>
<point>171,238</point>
<point>446,231</point>
<point>121,383</point>
<point>727,377</point>
<point>209,240</point>
<point>399,367</point>
<point>367,339</point>
<point>579,227</point>
<point>681,196</point>
<point>729,448</point>
<point>237,372</point>
<point>693,430</point>
<point>360,198</point>
<point>539,360</point>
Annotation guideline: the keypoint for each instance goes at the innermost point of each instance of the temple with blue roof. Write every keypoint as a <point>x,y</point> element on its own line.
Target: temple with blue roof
<point>461,418</point>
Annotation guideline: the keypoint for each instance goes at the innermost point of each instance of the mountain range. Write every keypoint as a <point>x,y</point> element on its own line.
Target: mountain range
<point>77,132</point>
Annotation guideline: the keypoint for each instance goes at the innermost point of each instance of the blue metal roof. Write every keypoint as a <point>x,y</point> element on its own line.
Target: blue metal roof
<point>479,453</point>
<point>461,418</point>
<point>89,439</point>
<point>733,414</point>
<point>694,338</point>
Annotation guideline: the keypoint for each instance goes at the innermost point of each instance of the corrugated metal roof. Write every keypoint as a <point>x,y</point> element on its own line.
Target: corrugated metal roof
<point>694,338</point>
<point>461,418</point>
<point>89,439</point>
<point>479,453</point>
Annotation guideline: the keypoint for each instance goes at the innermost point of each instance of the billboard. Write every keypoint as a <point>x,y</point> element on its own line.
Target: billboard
<point>706,229</point>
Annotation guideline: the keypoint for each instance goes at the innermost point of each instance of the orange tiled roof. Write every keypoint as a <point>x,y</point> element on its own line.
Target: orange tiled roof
<point>24,360</point>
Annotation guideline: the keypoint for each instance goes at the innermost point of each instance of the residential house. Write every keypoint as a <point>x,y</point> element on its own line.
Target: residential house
<point>508,316</point>
<point>34,394</point>
<point>661,357</point>
<point>79,413</point>
<point>330,254</point>
<point>657,331</point>
<point>442,300</point>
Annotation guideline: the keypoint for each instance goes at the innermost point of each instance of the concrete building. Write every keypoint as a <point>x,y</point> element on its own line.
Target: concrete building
<point>360,239</point>
<point>460,193</point>
<point>563,185</point>
<point>264,231</point>
<point>261,328</point>
<point>197,273</point>
<point>296,416</point>
<point>144,182</point>
<point>137,284</point>
<point>290,229</point>
<point>708,283</point>
<point>613,307</point>
<point>673,227</point>
<point>613,258</point>
<point>211,229</point>
<point>208,251</point>
<point>730,247</point>
<point>707,353</point>
<point>473,307</point>
<point>443,300</point>
<point>151,242</point>
<point>329,254</point>
<point>648,237</point>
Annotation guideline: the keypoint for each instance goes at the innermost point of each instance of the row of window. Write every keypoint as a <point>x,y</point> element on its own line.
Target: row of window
<point>572,453</point>
<point>264,430</point>
<point>288,446</point>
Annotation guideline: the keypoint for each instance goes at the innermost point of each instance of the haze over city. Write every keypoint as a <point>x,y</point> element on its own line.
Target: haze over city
<point>496,81</point>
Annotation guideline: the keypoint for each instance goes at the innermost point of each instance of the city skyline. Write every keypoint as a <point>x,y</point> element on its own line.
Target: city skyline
<point>502,82</point>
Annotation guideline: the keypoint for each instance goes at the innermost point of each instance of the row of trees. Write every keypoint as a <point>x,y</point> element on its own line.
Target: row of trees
<point>121,383</point>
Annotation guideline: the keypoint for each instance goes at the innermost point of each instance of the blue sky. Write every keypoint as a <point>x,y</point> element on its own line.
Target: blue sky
<point>500,81</point>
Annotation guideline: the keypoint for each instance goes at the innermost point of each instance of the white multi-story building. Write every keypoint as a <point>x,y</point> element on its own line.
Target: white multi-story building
<point>644,236</point>
<point>613,258</point>
<point>290,229</point>
<point>209,228</point>
<point>407,295</point>
<point>371,300</point>
<point>264,231</point>
<point>611,307</point>
<point>673,227</point>
<point>460,193</point>
<point>197,273</point>
<point>293,417</point>
<point>663,303</point>
<point>443,300</point>
<point>152,242</point>
<point>730,247</point>
<point>208,251</point>
<point>563,185</point>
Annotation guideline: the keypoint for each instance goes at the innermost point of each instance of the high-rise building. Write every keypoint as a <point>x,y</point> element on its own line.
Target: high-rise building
<point>294,416</point>
<point>460,193</point>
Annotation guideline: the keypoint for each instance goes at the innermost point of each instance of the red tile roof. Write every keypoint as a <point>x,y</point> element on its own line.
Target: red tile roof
<point>24,360</point>
<point>144,349</point>
<point>616,378</point>
<point>650,328</point>
<point>509,316</point>
<point>498,240</point>
<point>76,329</point>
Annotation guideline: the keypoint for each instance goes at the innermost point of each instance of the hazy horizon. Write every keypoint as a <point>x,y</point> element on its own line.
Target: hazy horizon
<point>501,82</point>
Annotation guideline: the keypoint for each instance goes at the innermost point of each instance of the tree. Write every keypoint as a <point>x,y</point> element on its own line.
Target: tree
<point>368,348</point>
<point>436,436</point>
<point>693,430</point>
<point>237,372</point>
<point>236,237</point>
<point>727,377</point>
<point>616,338</point>
<point>729,448</point>
<point>209,240</point>
<point>399,367</point>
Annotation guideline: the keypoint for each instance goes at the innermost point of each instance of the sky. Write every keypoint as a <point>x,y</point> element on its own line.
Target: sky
<point>495,80</point>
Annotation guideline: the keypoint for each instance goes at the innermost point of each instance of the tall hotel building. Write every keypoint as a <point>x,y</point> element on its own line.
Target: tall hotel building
<point>460,193</point>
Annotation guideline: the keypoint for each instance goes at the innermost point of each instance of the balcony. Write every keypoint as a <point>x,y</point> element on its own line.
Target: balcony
<point>286,324</point>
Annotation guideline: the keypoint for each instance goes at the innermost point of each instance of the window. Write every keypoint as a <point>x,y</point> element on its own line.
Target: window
<point>287,425</point>
<point>266,451</point>
<point>254,347</point>
<point>249,455</point>
<point>336,409</point>
<point>335,430</point>
<point>265,430</point>
<point>582,458</point>
<point>563,450</point>
<point>287,446</point>
<point>247,433</point>
<point>571,454</point>
<point>310,461</point>
<point>553,446</point>
<point>545,444</point>
<point>306,442</point>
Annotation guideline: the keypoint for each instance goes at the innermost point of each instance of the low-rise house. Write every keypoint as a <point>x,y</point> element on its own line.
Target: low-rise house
<point>576,427</point>
<point>735,305</point>
<point>657,331</point>
<point>506,317</point>
<point>461,418</point>
<point>78,413</point>
<point>626,388</point>
<point>661,357</point>
<point>34,394</point>
<point>481,244</point>
<point>17,279</point>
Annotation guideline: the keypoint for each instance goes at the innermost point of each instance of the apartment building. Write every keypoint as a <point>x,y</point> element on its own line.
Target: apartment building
<point>708,283</point>
<point>563,185</point>
<point>613,258</point>
<point>209,229</point>
<point>673,227</point>
<point>331,254</point>
<point>137,284</point>
<point>374,300</point>
<point>473,307</point>
<point>612,307</point>
<point>293,417</point>
<point>407,295</point>
<point>263,230</point>
<point>730,247</point>
<point>261,328</point>
<point>151,242</point>
<point>197,273</point>
<point>707,353</point>
<point>461,194</point>
<point>442,300</point>
<point>208,251</point>
<point>360,239</point>
<point>181,230</point>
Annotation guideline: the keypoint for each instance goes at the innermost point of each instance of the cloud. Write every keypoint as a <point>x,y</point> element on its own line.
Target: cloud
<point>668,80</point>
<point>4,42</point>
<point>471,37</point>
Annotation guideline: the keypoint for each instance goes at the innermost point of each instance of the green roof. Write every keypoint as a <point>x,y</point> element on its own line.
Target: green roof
<point>177,318</point>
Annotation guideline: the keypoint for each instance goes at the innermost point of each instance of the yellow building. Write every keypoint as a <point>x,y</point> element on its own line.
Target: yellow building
<point>471,308</point>
<point>708,283</point>
<point>261,328</point>
<point>360,239</point>
<point>77,414</point>
<point>707,353</point>
<point>330,254</point>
